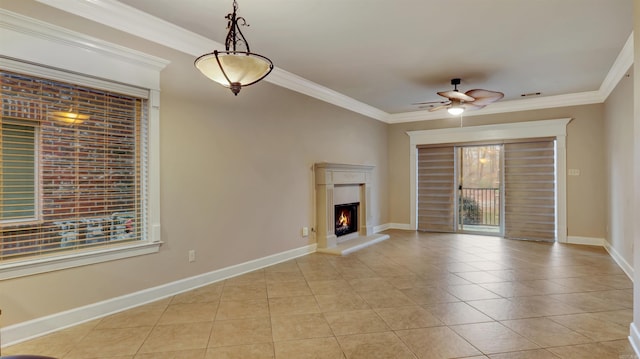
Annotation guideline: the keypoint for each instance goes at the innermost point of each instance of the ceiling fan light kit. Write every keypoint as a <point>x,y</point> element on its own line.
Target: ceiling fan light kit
<point>459,102</point>
<point>456,108</point>
<point>234,68</point>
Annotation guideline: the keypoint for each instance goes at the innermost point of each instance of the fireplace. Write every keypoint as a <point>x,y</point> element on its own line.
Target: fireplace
<point>350,186</point>
<point>346,216</point>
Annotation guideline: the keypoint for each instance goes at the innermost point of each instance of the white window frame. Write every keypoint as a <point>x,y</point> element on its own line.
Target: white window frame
<point>530,129</point>
<point>40,49</point>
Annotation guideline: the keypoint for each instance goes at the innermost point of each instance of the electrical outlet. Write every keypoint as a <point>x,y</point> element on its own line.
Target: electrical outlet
<point>305,231</point>
<point>192,256</point>
<point>574,172</point>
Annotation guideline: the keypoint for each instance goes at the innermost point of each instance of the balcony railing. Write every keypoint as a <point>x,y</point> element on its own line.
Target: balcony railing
<point>480,206</point>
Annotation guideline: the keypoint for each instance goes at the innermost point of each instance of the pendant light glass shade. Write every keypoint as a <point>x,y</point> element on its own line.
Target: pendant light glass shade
<point>231,69</point>
<point>234,68</point>
<point>69,117</point>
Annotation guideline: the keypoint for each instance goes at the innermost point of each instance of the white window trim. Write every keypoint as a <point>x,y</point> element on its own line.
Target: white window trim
<point>57,53</point>
<point>531,129</point>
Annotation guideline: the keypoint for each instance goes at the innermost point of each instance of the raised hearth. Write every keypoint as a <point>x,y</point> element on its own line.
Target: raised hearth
<point>343,184</point>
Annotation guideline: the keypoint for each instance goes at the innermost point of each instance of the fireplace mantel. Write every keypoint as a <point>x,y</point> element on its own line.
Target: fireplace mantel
<point>337,173</point>
<point>357,177</point>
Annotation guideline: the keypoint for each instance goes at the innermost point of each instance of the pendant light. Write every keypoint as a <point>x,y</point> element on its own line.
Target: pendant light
<point>234,68</point>
<point>71,117</point>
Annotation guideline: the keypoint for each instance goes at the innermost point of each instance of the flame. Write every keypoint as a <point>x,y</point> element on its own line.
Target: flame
<point>343,220</point>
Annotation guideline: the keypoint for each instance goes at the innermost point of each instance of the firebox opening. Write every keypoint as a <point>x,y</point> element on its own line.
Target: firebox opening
<point>346,218</point>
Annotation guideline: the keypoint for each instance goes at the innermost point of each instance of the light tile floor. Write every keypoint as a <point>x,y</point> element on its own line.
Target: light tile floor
<point>415,295</point>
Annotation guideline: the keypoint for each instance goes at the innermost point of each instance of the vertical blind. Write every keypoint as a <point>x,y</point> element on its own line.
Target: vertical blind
<point>530,190</point>
<point>436,191</point>
<point>65,185</point>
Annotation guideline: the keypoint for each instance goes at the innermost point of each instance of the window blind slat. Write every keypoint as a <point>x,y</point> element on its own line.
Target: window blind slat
<point>530,190</point>
<point>436,195</point>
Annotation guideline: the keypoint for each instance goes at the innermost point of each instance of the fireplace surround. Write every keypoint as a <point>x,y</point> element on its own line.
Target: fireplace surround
<point>343,184</point>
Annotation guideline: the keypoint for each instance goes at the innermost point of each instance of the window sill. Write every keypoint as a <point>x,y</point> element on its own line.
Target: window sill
<point>54,263</point>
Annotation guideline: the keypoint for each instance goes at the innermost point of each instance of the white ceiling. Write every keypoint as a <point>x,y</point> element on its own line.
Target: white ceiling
<point>390,54</point>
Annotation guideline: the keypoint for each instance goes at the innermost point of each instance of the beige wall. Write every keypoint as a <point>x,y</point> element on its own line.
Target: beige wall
<point>585,195</point>
<point>253,158</point>
<point>236,180</point>
<point>618,132</point>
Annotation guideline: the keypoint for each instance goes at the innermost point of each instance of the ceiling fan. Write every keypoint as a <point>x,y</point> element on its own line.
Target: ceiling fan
<point>458,102</point>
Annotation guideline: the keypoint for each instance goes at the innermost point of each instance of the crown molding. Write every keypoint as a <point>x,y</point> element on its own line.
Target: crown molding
<point>43,30</point>
<point>296,83</point>
<point>620,67</point>
<point>60,48</point>
<point>128,19</point>
<point>131,20</point>
<point>575,99</point>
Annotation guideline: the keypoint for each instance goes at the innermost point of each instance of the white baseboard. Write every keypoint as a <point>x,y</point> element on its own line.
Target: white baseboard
<point>622,263</point>
<point>634,338</point>
<point>403,226</point>
<point>381,228</point>
<point>384,227</point>
<point>589,241</point>
<point>37,327</point>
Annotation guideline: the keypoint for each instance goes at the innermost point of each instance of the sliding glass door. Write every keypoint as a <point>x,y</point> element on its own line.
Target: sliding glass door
<point>505,189</point>
<point>479,189</point>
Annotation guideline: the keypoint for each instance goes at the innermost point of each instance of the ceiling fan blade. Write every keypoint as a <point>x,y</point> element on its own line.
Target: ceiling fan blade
<point>484,97</point>
<point>471,106</point>
<point>456,95</point>
<point>438,108</point>
<point>429,102</point>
